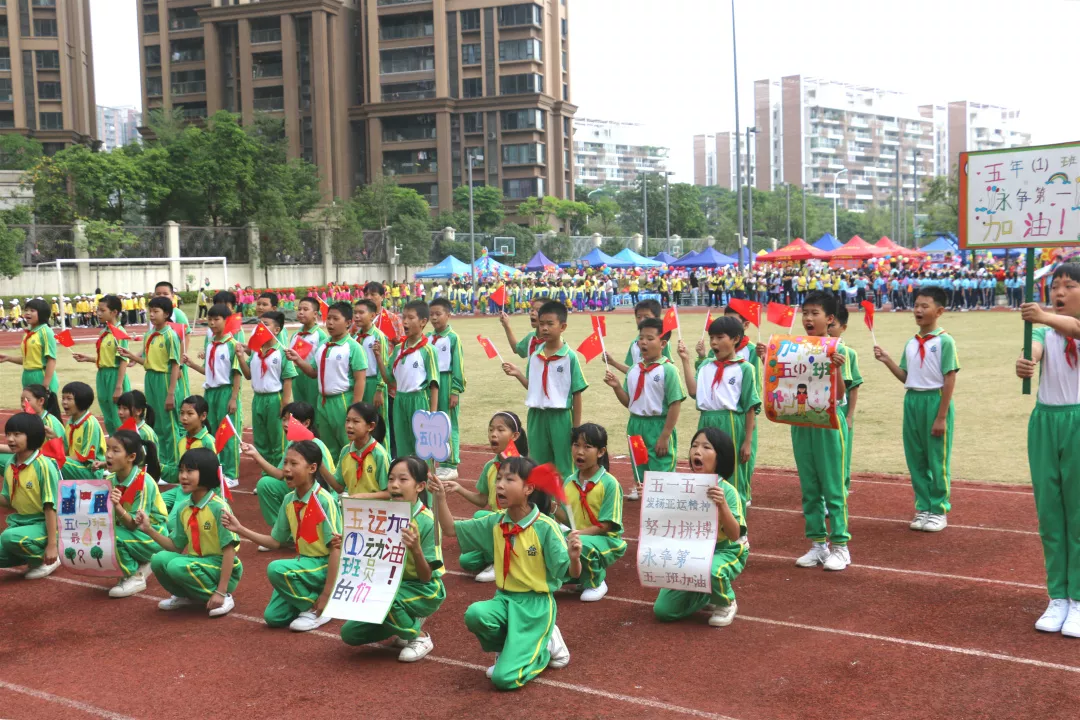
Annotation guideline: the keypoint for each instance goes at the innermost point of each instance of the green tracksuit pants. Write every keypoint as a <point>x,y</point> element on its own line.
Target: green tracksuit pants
<point>598,553</point>
<point>414,601</point>
<point>297,584</point>
<point>23,542</point>
<point>371,387</point>
<point>517,625</point>
<point>650,428</point>
<point>549,438</point>
<point>929,458</point>
<point>266,432</point>
<point>106,386</point>
<point>674,605</point>
<point>133,548</point>
<point>477,560</point>
<point>819,457</point>
<point>1054,459</point>
<point>75,470</point>
<point>330,412</point>
<point>166,422</point>
<point>191,576</point>
<point>271,493</point>
<point>405,404</point>
<point>734,424</point>
<point>306,389</point>
<point>37,377</point>
<point>218,400</point>
<point>444,406</point>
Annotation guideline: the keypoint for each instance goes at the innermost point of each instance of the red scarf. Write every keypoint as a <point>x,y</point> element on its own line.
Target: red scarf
<point>361,457</point>
<point>150,339</point>
<point>71,428</point>
<point>15,470</point>
<point>643,371</point>
<point>720,365</point>
<point>583,500</point>
<point>534,343</point>
<point>923,339</point>
<point>214,345</point>
<point>193,528</point>
<point>1071,355</point>
<point>509,530</point>
<point>742,343</point>
<point>26,341</point>
<point>544,376</point>
<point>322,368</point>
<point>405,350</point>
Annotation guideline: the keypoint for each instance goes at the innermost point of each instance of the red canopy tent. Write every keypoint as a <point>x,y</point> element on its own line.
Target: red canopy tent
<point>853,252</point>
<point>886,244</point>
<point>795,251</point>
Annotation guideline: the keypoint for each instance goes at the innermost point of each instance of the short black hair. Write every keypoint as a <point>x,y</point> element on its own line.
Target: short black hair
<point>343,309</point>
<point>29,425</point>
<point>443,303</point>
<point>220,310</point>
<point>310,451</point>
<point>112,302</point>
<point>553,307</point>
<point>823,300</point>
<point>934,293</point>
<point>652,306</point>
<point>275,317</point>
<point>81,393</point>
<point>654,324</point>
<point>301,412</point>
<point>228,297</point>
<point>728,325</point>
<point>724,447</point>
<point>43,310</point>
<point>842,314</point>
<point>311,300</point>
<point>205,462</point>
<point>161,303</point>
<point>165,283</point>
<point>375,288</point>
<point>200,406</point>
<point>272,297</point>
<point>135,402</point>
<point>419,307</point>
<point>596,436</point>
<point>364,302</point>
<point>1067,270</point>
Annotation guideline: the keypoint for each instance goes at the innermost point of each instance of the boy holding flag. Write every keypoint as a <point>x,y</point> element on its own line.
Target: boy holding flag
<point>306,342</point>
<point>377,348</point>
<point>449,358</point>
<point>272,376</point>
<point>222,385</point>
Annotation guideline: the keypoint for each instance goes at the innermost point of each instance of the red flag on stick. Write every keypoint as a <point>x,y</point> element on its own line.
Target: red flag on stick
<point>118,332</point>
<point>546,478</point>
<point>499,296</point>
<point>130,424</point>
<point>510,451</point>
<point>297,432</point>
<point>489,348</point>
<point>64,338</point>
<point>137,485</point>
<point>314,515</point>
<point>233,324</point>
<point>324,309</point>
<point>639,452</point>
<point>26,407</point>
<point>708,322</point>
<point>260,337</point>
<point>55,449</point>
<point>749,311</point>
<point>181,331</point>
<point>868,318</point>
<point>591,347</point>
<point>599,324</point>
<point>782,315</point>
<point>225,432</point>
<point>302,347</point>
<point>671,319</point>
<point>225,492</point>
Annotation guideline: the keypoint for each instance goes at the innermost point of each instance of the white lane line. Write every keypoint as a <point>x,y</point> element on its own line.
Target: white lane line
<point>61,700</point>
<point>900,520</point>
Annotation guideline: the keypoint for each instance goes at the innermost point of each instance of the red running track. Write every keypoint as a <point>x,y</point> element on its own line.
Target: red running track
<point>920,626</point>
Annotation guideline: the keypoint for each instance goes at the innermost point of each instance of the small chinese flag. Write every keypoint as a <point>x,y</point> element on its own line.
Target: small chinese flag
<point>26,407</point>
<point>591,347</point>
<point>130,424</point>
<point>708,321</point>
<point>499,296</point>
<point>225,492</point>
<point>308,529</point>
<point>324,309</point>
<point>782,315</point>
<point>868,318</point>
<point>489,349</point>
<point>55,449</point>
<point>386,324</point>
<point>225,432</point>
<point>302,347</point>
<point>137,485</point>
<point>297,432</point>
<point>546,478</point>
<point>671,319</point>
<point>233,324</point>
<point>639,452</point>
<point>181,331</point>
<point>118,332</point>
<point>510,451</point>
<point>260,337</point>
<point>64,338</point>
<point>749,311</point>
<point>599,324</point>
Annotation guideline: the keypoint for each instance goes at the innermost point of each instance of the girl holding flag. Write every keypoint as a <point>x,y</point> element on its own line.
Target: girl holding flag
<point>38,356</point>
<point>193,420</point>
<point>112,379</point>
<point>222,385</point>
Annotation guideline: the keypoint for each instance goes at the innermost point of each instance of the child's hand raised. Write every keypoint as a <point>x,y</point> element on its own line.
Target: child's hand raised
<point>1025,368</point>
<point>610,379</point>
<point>114,496</point>
<point>700,347</point>
<point>248,449</point>
<point>435,485</point>
<point>293,355</point>
<point>229,522</point>
<point>761,350</point>
<point>573,545</point>
<point>411,538</point>
<point>1033,313</point>
<point>683,352</point>
<point>880,354</point>
<point>450,486</point>
<point>142,521</point>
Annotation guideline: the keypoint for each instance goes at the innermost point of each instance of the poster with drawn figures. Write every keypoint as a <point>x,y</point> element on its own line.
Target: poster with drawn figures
<point>372,559</point>
<point>87,540</point>
<point>801,384</point>
<point>679,528</point>
<point>1020,197</point>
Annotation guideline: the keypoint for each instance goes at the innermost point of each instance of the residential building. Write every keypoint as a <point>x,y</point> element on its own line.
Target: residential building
<point>613,153</point>
<point>409,88</point>
<point>118,126</point>
<point>47,72</point>
<point>714,159</point>
<point>962,126</point>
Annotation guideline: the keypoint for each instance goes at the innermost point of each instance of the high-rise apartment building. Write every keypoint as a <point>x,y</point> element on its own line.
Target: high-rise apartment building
<point>47,71</point>
<point>963,126</point>
<point>714,159</point>
<point>118,126</point>
<point>409,88</point>
<point>613,153</point>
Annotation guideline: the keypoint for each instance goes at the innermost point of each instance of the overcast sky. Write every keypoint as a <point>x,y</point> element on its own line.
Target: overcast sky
<point>667,63</point>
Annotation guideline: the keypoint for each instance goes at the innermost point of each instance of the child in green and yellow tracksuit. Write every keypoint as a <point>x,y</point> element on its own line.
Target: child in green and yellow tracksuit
<point>112,379</point>
<point>853,380</point>
<point>595,501</point>
<point>37,349</point>
<point>30,488</point>
<point>302,585</point>
<point>421,591</point>
<point>84,443</point>
<point>726,391</point>
<point>193,421</point>
<point>34,400</point>
<point>377,347</point>
<point>507,439</point>
<point>363,467</point>
<point>449,360</point>
<point>928,370</point>
<point>222,385</point>
<point>713,452</point>
<point>532,560</point>
<point>415,378</point>
<point>132,404</point>
<point>199,547</point>
<point>312,334</point>
<point>134,491</point>
<point>553,384</point>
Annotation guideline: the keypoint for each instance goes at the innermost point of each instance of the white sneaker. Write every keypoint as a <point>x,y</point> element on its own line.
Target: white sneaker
<point>747,503</point>
<point>491,670</point>
<point>399,643</point>
<point>263,548</point>
<point>446,473</point>
<point>920,521</point>
<point>1071,628</point>
<point>226,607</point>
<point>162,482</point>
<point>42,570</point>
<point>838,559</point>
<point>744,539</point>
<point>815,556</point>
<point>128,586</point>
<point>594,594</point>
<point>935,523</point>
<point>174,603</point>
<point>144,570</point>
<point>633,494</point>
<point>486,575</point>
<point>724,615</point>
<point>1053,619</point>
<point>308,621</point>
<point>560,654</point>
<point>416,649</point>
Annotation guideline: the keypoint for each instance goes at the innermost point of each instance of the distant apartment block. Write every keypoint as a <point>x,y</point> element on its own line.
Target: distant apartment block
<point>714,159</point>
<point>613,153</point>
<point>968,126</point>
<point>118,126</point>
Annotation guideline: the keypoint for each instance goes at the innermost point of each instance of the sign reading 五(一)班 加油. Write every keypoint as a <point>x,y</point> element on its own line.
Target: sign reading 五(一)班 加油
<point>87,541</point>
<point>801,383</point>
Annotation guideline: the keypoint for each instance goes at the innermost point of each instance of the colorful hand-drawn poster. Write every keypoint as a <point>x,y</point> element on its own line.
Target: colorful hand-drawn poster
<point>679,528</point>
<point>801,383</point>
<point>87,541</point>
<point>372,559</point>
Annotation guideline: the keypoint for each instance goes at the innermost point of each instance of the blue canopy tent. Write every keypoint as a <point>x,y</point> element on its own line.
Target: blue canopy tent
<point>663,257</point>
<point>827,243</point>
<point>449,267</point>
<point>596,258</point>
<point>686,260</point>
<point>709,258</point>
<point>538,262</point>
<point>486,265</point>
<point>628,258</point>
<point>939,248</point>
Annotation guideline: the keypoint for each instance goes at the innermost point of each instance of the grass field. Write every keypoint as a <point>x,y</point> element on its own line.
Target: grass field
<point>991,412</point>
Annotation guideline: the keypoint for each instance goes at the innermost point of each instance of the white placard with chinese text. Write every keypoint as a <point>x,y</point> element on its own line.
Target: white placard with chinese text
<point>1020,197</point>
<point>679,526</point>
<point>372,559</point>
<point>87,540</point>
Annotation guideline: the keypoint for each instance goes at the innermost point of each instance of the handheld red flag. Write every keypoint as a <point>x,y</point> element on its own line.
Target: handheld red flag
<point>225,492</point>
<point>599,324</point>
<point>233,324</point>
<point>181,332</point>
<point>55,449</point>
<point>225,432</point>
<point>591,347</point>
<point>499,296</point>
<point>489,349</point>
<point>260,337</point>
<point>510,451</point>
<point>297,432</point>
<point>749,311</point>
<point>639,452</point>
<point>546,478</point>
<point>118,332</point>
<point>64,338</point>
<point>130,424</point>
<point>671,319</point>
<point>782,315</point>
<point>324,309</point>
<point>26,407</point>
<point>708,322</point>
<point>314,515</point>
<point>302,347</point>
<point>137,485</point>
<point>868,318</point>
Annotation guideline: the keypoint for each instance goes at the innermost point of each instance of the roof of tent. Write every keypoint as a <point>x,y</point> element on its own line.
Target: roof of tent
<point>827,242</point>
<point>857,249</point>
<point>628,258</point>
<point>711,257</point>
<point>539,261</point>
<point>686,260</point>
<point>595,258</point>
<point>449,267</point>
<point>487,264</point>
<point>664,258</point>
<point>943,244</point>
<point>797,249</point>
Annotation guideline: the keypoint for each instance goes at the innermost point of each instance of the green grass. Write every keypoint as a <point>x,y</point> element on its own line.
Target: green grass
<point>991,413</point>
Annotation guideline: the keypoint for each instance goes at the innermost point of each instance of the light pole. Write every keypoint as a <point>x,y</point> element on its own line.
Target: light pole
<point>834,179</point>
<point>787,186</point>
<point>738,134</point>
<point>587,196</point>
<point>667,204</point>
<point>645,210</point>
<point>750,192</point>
<point>915,193</point>
<point>472,232</point>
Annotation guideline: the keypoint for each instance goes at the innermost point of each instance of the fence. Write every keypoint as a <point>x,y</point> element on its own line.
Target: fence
<point>211,241</point>
<point>45,243</point>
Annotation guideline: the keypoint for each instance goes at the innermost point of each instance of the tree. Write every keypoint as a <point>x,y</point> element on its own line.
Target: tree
<point>12,241</point>
<point>557,247</point>
<point>524,241</point>
<point>18,152</point>
<point>605,213</point>
<point>107,239</point>
<point>487,206</point>
<point>941,203</point>
<point>412,236</point>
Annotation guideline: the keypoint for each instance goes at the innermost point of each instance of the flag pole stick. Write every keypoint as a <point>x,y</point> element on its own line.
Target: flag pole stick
<point>633,464</point>
<point>603,350</point>
<point>678,325</point>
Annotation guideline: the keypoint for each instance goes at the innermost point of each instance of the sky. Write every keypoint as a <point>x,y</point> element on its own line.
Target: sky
<point>667,64</point>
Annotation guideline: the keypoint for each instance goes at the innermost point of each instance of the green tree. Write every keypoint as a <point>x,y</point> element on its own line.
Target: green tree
<point>941,203</point>
<point>12,241</point>
<point>524,242</point>
<point>412,236</point>
<point>107,239</point>
<point>604,216</point>
<point>488,210</point>
<point>18,152</point>
<point>557,247</point>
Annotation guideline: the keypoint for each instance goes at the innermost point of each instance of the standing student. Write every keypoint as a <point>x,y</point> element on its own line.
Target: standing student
<point>450,361</point>
<point>377,348</point>
<point>30,489</point>
<point>1052,457</point>
<point>112,379</point>
<point>652,392</point>
<point>306,389</point>
<point>415,372</point>
<point>301,585</point>
<point>198,561</point>
<point>272,376</point>
<point>853,380</point>
<point>928,370</point>
<point>267,302</point>
<point>553,383</point>
<point>726,392</point>
<point>532,561</point>
<point>222,385</point>
<point>340,366</point>
<point>38,348</point>
<point>193,414</point>
<point>134,490</point>
<point>84,443</point>
<point>421,591</point>
<point>363,467</point>
<point>642,311</point>
<point>713,452</point>
<point>528,344</point>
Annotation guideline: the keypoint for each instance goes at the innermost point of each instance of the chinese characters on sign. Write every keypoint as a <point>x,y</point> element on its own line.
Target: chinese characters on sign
<point>87,540</point>
<point>679,526</point>
<point>432,433</point>
<point>372,559</point>
<point>800,381</point>
<point>1020,197</point>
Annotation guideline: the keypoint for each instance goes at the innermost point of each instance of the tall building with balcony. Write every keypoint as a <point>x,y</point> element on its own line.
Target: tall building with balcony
<point>613,153</point>
<point>962,126</point>
<point>715,162</point>
<point>47,72</point>
<point>118,126</point>
<point>409,88</point>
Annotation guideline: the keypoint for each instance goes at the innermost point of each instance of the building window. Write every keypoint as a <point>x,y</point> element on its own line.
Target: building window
<point>187,82</point>
<point>265,30</point>
<point>184,19</point>
<point>410,162</point>
<point>192,111</point>
<point>472,87</point>
<point>564,60</point>
<point>529,49</point>
<point>474,122</point>
<point>519,84</point>
<point>51,120</point>
<point>186,50</point>
<point>5,58</point>
<point>564,27</point>
<point>153,55</point>
<point>529,14</point>
<point>414,59</point>
<point>565,91</point>
<point>48,90</point>
<point>470,20</point>
<point>526,154</point>
<point>47,59</point>
<point>5,90</point>
<point>408,128</point>
<point>531,119</point>
<point>470,54</point>
<point>150,24</point>
<point>403,27</point>
<point>566,126</point>
<point>524,188</point>
<point>269,99</point>
<point>421,90</point>
<point>7,118</point>
<point>153,86</point>
<point>45,28</point>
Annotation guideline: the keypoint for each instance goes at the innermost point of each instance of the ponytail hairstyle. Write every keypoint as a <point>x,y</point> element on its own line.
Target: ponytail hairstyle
<point>146,455</point>
<point>594,436</point>
<point>205,462</point>
<point>371,416</point>
<point>418,469</point>
<point>522,442</point>
<point>135,402</point>
<point>200,406</point>
<point>52,404</point>
<point>523,467</point>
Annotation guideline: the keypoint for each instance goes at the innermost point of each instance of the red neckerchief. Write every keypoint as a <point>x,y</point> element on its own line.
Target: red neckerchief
<point>643,371</point>
<point>923,339</point>
<point>583,500</point>
<point>361,457</point>
<point>16,468</point>
<point>1071,355</point>
<point>509,530</point>
<point>406,350</point>
<point>547,360</point>
<point>322,368</point>
<point>26,341</point>
<point>193,528</point>
<point>71,428</point>
<point>214,345</point>
<point>720,365</point>
<point>742,343</point>
<point>534,343</point>
<point>262,358</point>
